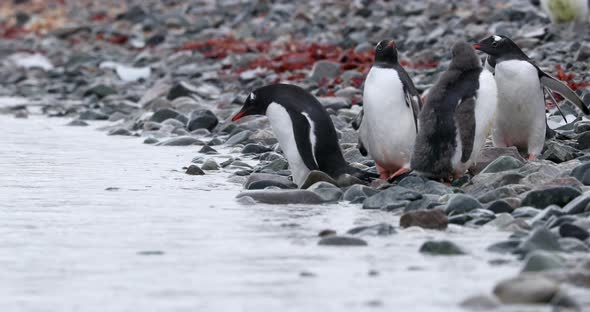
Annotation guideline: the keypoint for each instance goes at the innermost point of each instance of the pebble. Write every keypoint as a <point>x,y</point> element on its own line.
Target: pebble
<point>324,70</point>
<point>380,229</point>
<point>503,163</point>
<point>441,248</point>
<point>428,219</point>
<point>582,173</point>
<point>238,138</point>
<point>327,191</point>
<point>335,240</point>
<point>194,170</point>
<point>539,239</point>
<point>526,289</point>
<point>461,203</point>
<point>574,231</point>
<point>393,198</point>
<point>208,150</point>
<point>542,198</point>
<point>167,113</point>
<point>77,123</point>
<point>540,260</point>
<point>316,176</point>
<point>283,197</point>
<point>358,193</point>
<point>210,164</point>
<point>181,141</point>
<point>202,119</point>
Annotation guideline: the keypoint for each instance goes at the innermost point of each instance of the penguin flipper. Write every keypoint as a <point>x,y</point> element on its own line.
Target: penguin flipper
<point>303,139</point>
<point>561,88</point>
<point>356,122</point>
<point>465,119</point>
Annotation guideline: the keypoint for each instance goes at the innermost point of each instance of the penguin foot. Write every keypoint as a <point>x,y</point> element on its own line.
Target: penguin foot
<point>398,173</point>
<point>532,157</point>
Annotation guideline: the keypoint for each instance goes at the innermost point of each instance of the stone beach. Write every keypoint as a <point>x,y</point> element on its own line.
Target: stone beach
<point>167,76</point>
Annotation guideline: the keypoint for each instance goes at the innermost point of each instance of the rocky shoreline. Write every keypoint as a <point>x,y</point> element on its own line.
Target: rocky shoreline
<point>172,73</point>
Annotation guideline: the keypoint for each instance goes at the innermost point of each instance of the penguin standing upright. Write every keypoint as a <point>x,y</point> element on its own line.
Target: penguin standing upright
<point>391,105</point>
<point>303,128</point>
<point>520,119</point>
<point>456,118</point>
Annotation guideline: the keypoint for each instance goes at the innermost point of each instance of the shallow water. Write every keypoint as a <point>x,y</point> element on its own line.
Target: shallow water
<point>90,222</point>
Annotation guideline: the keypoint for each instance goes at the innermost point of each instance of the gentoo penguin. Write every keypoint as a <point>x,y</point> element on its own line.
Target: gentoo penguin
<point>456,118</point>
<point>567,11</point>
<point>520,119</point>
<point>391,105</point>
<point>303,128</point>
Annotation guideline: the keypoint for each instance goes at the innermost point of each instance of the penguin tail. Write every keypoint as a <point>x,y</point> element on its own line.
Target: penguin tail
<point>362,175</point>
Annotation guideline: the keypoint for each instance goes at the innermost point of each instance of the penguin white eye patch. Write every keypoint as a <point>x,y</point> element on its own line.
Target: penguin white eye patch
<point>497,38</point>
<point>252,96</point>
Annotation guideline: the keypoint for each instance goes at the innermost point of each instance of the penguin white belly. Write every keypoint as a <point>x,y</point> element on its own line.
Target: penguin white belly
<point>387,131</point>
<point>520,119</point>
<point>486,100</point>
<point>485,110</point>
<point>282,126</point>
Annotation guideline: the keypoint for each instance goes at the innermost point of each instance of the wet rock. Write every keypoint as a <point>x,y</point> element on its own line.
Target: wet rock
<point>526,289</point>
<point>428,201</point>
<point>181,141</point>
<point>461,203</point>
<point>167,113</point>
<point>574,231</point>
<point>569,244</point>
<point>342,241</point>
<point>77,123</point>
<point>181,89</point>
<point>315,176</point>
<point>346,180</point>
<point>276,165</point>
<point>582,173</point>
<point>508,246</point>
<point>558,152</point>
<point>174,123</point>
<point>92,114</point>
<point>269,179</point>
<point>119,131</point>
<point>326,232</point>
<point>480,303</point>
<point>395,197</point>
<point>253,148</point>
<point>583,53</point>
<point>206,149</point>
<point>579,205</point>
<point>502,192</point>
<point>441,248</point>
<point>210,164</point>
<point>503,163</point>
<point>490,154</point>
<point>560,196</point>
<point>283,197</point>
<point>238,138</point>
<point>542,261</point>
<point>150,140</point>
<point>100,91</point>
<point>202,119</point>
<point>324,70</point>
<point>335,102</point>
<point>194,170</point>
<point>358,193</point>
<point>327,191</point>
<point>424,186</point>
<point>429,219</point>
<point>500,206</point>
<point>539,239</point>
<point>381,229</point>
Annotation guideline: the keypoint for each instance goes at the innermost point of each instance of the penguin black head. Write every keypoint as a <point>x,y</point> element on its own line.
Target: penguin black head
<point>464,57</point>
<point>254,105</point>
<point>386,52</point>
<point>498,46</point>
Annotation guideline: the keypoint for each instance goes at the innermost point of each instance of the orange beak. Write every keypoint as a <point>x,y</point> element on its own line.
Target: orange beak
<point>477,46</point>
<point>238,116</point>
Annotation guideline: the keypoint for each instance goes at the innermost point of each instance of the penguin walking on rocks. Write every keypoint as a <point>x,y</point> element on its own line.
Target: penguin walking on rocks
<point>304,130</point>
<point>456,118</point>
<point>520,119</point>
<point>391,105</point>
